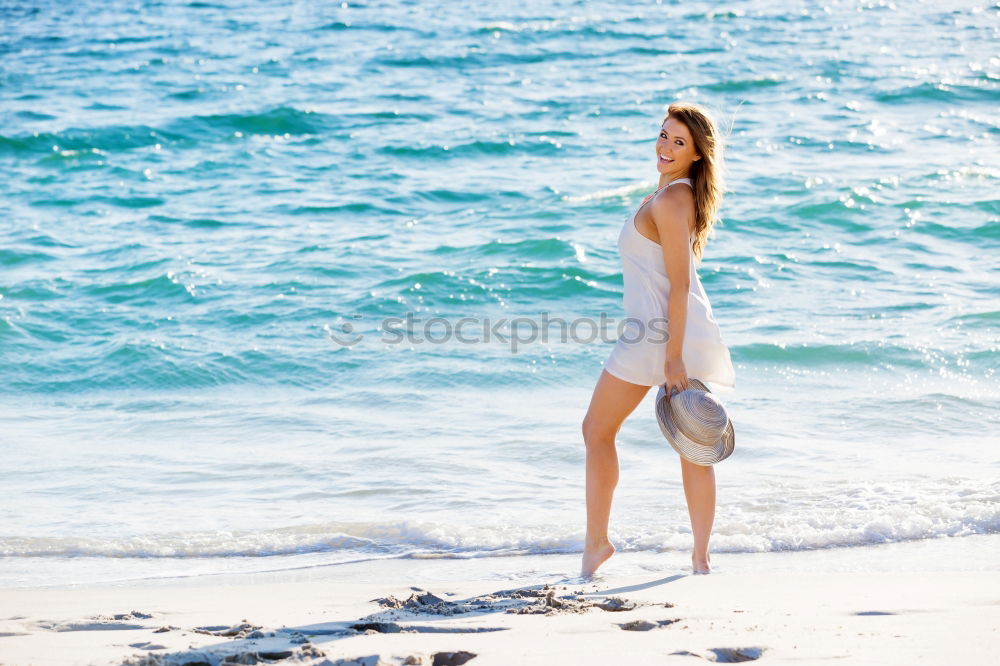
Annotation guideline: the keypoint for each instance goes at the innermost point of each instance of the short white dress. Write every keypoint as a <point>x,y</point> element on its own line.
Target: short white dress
<point>640,353</point>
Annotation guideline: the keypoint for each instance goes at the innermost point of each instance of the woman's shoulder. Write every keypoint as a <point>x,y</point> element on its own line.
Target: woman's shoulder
<point>674,202</point>
<point>669,199</point>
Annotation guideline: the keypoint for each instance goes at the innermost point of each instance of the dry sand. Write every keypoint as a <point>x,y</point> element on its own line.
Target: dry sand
<point>766,615</point>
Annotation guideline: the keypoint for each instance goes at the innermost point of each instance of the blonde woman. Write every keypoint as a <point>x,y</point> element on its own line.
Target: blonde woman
<point>670,334</point>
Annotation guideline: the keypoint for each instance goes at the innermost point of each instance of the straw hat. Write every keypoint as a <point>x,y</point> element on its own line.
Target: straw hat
<point>695,423</point>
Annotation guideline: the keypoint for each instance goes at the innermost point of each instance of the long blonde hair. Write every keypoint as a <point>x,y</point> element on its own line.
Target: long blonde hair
<point>707,173</point>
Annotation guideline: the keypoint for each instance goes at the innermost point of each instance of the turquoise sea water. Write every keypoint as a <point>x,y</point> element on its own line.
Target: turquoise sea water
<point>198,198</point>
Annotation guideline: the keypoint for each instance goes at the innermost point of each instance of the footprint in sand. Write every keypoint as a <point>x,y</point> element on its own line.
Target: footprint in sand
<point>436,659</point>
<point>451,658</point>
<point>727,655</point>
<point>615,604</point>
<point>874,613</point>
<point>645,625</point>
<point>395,628</point>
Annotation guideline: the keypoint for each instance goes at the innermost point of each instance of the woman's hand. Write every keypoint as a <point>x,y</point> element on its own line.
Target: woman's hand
<point>676,375</point>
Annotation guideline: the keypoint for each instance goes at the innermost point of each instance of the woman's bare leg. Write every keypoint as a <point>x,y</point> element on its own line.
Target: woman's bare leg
<point>699,489</point>
<point>613,400</point>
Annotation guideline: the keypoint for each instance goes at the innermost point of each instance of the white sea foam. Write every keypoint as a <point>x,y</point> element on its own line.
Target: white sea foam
<point>799,518</point>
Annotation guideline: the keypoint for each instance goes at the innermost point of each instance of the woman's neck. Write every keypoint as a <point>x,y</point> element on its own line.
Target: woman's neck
<point>666,180</point>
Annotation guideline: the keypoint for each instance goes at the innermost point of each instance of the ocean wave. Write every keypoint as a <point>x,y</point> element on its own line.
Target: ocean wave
<point>798,519</point>
<point>523,283</point>
<point>818,355</point>
<point>13,257</point>
<point>97,142</point>
<point>153,363</point>
<point>987,231</point>
<point>479,148</point>
<point>87,140</point>
<point>527,249</point>
<point>276,120</point>
<point>933,91</point>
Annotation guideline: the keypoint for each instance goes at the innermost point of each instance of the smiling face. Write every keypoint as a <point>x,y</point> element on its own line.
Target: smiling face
<point>675,150</point>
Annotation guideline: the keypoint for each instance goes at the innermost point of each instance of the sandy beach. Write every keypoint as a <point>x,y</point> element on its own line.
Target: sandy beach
<point>768,607</point>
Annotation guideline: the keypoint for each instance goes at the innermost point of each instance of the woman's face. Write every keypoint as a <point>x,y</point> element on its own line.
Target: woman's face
<point>674,149</point>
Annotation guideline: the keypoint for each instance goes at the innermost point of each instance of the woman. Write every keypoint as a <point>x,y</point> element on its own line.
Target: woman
<point>660,246</point>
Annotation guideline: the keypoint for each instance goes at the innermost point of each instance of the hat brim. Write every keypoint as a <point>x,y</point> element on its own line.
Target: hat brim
<point>686,448</point>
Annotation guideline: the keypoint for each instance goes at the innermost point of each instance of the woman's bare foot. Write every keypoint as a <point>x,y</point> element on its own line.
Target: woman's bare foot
<point>701,565</point>
<point>594,555</point>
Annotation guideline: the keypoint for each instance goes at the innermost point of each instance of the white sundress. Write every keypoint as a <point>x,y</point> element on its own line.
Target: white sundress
<point>637,359</point>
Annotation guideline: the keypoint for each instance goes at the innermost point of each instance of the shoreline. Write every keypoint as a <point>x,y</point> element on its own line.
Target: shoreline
<point>525,610</point>
<point>975,551</point>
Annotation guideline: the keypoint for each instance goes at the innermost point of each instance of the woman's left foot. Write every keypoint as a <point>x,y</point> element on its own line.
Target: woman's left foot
<point>701,565</point>
<point>595,555</point>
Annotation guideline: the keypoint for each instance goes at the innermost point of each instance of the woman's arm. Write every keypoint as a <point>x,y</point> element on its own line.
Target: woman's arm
<point>670,215</point>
